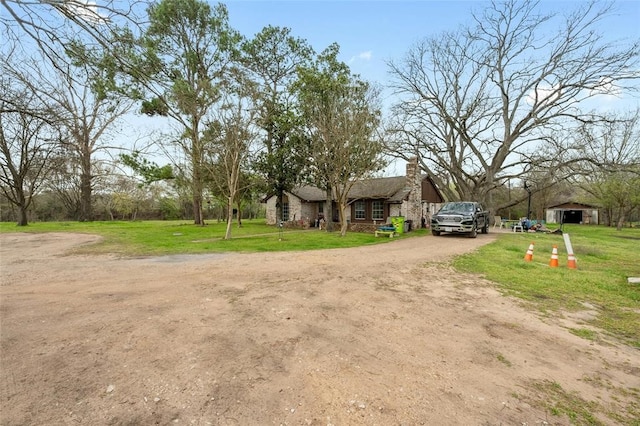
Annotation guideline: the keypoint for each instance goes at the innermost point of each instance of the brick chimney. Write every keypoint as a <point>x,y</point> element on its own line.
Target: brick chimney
<point>414,198</point>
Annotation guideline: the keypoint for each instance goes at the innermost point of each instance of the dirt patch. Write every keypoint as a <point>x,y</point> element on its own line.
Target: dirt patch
<point>378,335</point>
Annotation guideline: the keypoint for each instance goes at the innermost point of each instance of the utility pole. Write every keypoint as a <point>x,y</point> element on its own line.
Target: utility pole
<point>528,189</point>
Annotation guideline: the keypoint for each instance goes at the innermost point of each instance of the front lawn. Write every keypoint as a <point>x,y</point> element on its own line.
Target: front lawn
<point>173,237</point>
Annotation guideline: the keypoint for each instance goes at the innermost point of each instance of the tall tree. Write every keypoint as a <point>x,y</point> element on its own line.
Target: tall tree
<point>273,57</point>
<point>342,116</point>
<point>480,103</point>
<point>64,95</point>
<point>51,25</point>
<point>26,143</point>
<point>86,116</point>
<point>230,137</point>
<point>611,175</point>
<point>187,52</point>
<point>47,31</point>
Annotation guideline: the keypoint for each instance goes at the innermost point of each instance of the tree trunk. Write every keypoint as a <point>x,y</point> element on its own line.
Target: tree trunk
<point>196,188</point>
<point>197,211</point>
<point>22,215</point>
<point>343,219</point>
<point>621,219</point>
<point>196,184</point>
<point>328,212</point>
<point>227,234</point>
<point>85,188</point>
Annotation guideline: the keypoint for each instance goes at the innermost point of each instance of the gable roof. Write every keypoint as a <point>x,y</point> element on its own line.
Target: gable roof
<point>387,188</point>
<point>309,193</point>
<point>392,189</point>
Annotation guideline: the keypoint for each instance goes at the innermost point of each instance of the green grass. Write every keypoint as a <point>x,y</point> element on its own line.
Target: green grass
<point>605,259</point>
<point>562,403</point>
<point>585,333</point>
<point>504,360</point>
<point>558,402</point>
<point>140,238</point>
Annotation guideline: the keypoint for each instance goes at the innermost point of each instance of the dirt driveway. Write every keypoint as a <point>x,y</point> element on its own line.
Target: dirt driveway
<point>378,335</point>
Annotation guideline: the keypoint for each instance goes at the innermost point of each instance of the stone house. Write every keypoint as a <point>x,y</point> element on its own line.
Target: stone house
<point>372,202</point>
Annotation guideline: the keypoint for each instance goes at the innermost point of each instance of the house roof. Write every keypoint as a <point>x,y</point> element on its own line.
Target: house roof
<point>392,189</point>
<point>309,193</point>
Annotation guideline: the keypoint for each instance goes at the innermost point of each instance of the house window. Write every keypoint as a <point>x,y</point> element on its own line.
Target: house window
<point>377,210</point>
<point>360,210</point>
<point>285,212</point>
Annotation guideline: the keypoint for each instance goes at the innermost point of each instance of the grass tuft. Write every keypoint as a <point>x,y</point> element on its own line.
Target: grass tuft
<point>585,333</point>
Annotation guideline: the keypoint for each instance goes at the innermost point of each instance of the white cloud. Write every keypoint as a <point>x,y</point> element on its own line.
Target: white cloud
<point>541,95</point>
<point>86,10</point>
<point>608,89</point>
<point>363,56</point>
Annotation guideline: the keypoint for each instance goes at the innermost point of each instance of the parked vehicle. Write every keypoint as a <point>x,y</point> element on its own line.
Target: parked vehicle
<point>463,217</point>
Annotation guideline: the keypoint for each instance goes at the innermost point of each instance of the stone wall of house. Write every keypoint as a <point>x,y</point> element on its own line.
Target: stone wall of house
<point>271,211</point>
<point>428,210</point>
<point>295,207</point>
<point>309,212</point>
<point>299,211</point>
<point>395,210</point>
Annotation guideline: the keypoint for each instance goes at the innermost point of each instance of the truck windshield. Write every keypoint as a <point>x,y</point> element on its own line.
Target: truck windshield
<point>458,207</point>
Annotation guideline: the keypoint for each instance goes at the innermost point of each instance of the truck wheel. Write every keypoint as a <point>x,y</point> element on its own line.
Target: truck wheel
<point>435,233</point>
<point>474,232</point>
<point>485,228</point>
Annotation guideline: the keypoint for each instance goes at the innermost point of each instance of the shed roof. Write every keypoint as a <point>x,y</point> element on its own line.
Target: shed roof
<point>572,205</point>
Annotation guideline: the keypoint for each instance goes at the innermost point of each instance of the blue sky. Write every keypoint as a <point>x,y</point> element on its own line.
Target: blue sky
<point>368,32</point>
<point>372,32</point>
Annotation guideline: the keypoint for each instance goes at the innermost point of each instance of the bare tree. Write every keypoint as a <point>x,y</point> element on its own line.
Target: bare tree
<point>29,135</point>
<point>26,143</point>
<point>50,26</point>
<point>231,139</point>
<point>87,118</point>
<point>478,105</point>
<point>611,176</point>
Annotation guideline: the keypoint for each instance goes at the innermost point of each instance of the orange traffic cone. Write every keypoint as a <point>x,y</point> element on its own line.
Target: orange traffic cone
<point>554,257</point>
<point>529,256</point>
<point>571,262</point>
